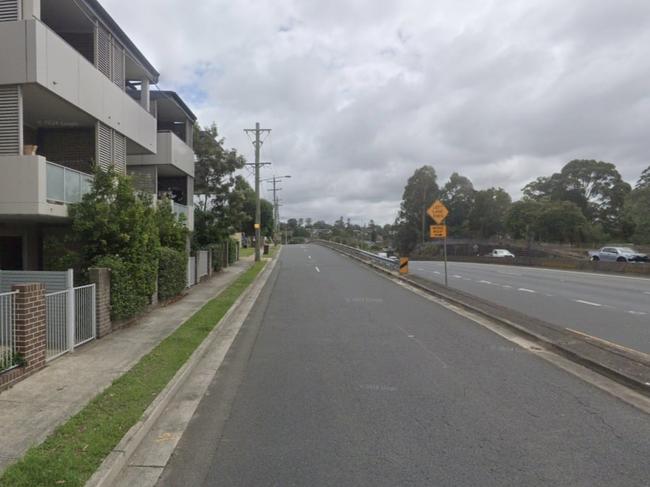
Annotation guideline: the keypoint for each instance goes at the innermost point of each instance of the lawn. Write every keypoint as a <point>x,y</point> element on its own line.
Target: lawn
<point>76,449</point>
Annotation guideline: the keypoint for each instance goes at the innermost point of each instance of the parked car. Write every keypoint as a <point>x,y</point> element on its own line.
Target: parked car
<point>617,254</point>
<point>501,253</point>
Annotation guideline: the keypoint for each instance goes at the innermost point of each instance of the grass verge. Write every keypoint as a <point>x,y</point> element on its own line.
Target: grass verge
<point>245,252</point>
<point>77,448</point>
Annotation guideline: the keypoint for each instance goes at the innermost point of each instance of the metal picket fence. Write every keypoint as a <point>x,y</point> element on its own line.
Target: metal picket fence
<point>7,330</point>
<point>70,319</point>
<point>56,312</point>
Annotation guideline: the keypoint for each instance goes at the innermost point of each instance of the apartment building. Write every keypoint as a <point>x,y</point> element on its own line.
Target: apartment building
<point>75,93</point>
<point>169,173</point>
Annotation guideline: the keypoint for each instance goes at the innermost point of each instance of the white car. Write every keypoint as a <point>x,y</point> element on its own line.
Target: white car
<point>501,253</point>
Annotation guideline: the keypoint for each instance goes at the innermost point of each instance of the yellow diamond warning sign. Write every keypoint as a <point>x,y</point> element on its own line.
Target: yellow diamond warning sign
<point>438,212</point>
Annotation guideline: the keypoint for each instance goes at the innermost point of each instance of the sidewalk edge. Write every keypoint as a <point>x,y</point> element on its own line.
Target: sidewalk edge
<point>118,458</point>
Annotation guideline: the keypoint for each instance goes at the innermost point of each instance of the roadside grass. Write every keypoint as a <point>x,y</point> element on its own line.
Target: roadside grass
<point>246,252</point>
<point>77,448</point>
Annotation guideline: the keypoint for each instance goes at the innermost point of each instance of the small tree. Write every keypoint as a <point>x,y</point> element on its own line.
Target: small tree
<point>113,226</point>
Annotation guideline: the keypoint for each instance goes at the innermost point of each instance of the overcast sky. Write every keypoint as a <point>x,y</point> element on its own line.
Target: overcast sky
<point>359,93</point>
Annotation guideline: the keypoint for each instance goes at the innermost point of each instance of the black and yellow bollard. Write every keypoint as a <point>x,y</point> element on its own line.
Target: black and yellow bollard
<point>404,265</point>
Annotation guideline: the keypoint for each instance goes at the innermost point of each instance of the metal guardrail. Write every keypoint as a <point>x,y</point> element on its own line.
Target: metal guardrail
<point>364,254</point>
<point>7,330</point>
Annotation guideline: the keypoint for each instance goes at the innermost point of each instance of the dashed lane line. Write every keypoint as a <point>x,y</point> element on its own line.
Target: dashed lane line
<point>524,290</point>
<point>317,269</point>
<point>588,303</point>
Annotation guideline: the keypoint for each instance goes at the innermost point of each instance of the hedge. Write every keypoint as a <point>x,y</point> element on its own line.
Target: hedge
<point>232,251</point>
<point>131,287</point>
<point>172,273</point>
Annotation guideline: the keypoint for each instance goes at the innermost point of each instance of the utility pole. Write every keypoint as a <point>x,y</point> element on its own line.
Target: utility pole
<point>258,220</point>
<point>276,201</point>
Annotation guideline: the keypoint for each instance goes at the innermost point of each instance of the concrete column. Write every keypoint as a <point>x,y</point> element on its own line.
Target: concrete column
<point>101,277</point>
<point>144,94</point>
<point>189,133</point>
<point>31,8</point>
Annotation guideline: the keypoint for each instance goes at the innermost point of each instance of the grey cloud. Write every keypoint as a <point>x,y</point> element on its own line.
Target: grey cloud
<point>361,92</point>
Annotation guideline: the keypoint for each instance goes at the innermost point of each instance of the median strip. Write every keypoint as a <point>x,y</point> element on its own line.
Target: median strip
<point>77,448</point>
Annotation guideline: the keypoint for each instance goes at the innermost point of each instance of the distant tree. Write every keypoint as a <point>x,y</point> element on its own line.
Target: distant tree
<point>644,180</point>
<point>596,187</point>
<point>637,213</point>
<point>308,222</point>
<point>420,192</point>
<point>561,221</point>
<point>292,223</point>
<point>488,215</point>
<point>458,195</point>
<point>523,218</point>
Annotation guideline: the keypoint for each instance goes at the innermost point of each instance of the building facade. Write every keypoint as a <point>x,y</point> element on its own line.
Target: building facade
<point>75,94</point>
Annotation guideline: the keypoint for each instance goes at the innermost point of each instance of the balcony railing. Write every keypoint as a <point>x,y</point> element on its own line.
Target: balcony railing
<point>179,209</point>
<point>65,185</point>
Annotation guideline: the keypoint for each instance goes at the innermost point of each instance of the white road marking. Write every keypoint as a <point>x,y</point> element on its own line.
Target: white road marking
<point>637,313</point>
<point>309,256</point>
<point>484,282</point>
<point>411,336</point>
<point>317,269</point>
<point>648,293</point>
<point>457,276</point>
<point>506,286</point>
<point>436,272</point>
<point>589,303</point>
<point>524,290</point>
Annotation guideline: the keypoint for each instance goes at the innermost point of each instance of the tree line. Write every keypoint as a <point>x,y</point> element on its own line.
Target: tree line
<point>587,201</point>
<point>224,201</point>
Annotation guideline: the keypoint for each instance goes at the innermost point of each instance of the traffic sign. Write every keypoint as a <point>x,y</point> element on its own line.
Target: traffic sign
<point>404,265</point>
<point>438,212</point>
<point>257,225</point>
<point>438,231</point>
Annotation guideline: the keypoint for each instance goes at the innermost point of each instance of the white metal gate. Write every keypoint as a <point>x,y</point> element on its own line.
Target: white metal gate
<point>7,330</point>
<point>70,319</point>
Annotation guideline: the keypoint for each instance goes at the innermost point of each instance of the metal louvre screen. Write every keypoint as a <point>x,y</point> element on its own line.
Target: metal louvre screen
<point>9,10</point>
<point>103,54</point>
<point>104,146</point>
<point>117,64</point>
<point>10,120</point>
<point>119,152</point>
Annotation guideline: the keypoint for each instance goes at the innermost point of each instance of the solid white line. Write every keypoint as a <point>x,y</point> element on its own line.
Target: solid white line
<point>524,290</point>
<point>436,272</point>
<point>317,269</point>
<point>588,303</point>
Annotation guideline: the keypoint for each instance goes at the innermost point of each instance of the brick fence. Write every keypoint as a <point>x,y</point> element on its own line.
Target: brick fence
<point>31,333</point>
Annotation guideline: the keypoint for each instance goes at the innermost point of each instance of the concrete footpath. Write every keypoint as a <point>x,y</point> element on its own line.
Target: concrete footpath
<point>33,408</point>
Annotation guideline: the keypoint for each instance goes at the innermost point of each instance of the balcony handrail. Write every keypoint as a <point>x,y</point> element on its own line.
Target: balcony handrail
<point>82,190</point>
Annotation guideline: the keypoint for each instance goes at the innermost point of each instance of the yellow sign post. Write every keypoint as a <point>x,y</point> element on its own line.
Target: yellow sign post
<point>438,213</point>
<point>404,265</point>
<point>257,225</point>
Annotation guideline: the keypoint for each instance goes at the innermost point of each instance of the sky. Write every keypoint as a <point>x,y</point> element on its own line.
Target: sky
<point>360,93</point>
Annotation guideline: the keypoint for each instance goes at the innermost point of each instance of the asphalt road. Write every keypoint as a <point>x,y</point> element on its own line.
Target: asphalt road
<point>614,308</point>
<point>340,377</point>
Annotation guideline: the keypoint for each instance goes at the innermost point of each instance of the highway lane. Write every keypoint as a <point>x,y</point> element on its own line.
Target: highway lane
<point>340,377</point>
<point>614,308</point>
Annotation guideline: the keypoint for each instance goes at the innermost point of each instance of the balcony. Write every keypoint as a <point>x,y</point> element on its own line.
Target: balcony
<point>33,53</point>
<point>39,190</point>
<point>66,185</point>
<point>179,210</point>
<point>172,151</point>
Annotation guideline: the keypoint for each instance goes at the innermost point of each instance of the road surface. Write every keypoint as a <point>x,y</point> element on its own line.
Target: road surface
<point>340,377</point>
<point>611,307</point>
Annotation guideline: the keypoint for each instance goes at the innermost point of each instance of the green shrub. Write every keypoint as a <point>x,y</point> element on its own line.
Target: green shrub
<point>232,251</point>
<point>131,287</point>
<point>172,273</point>
<point>116,227</point>
<point>217,256</point>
